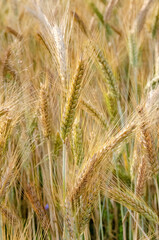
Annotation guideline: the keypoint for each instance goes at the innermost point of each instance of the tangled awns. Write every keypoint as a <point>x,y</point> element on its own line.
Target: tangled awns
<point>79,119</point>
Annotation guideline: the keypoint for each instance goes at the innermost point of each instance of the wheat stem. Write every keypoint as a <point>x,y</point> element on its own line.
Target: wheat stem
<point>64,185</point>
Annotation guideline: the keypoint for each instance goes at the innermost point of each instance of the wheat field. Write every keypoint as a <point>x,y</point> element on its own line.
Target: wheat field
<point>79,119</point>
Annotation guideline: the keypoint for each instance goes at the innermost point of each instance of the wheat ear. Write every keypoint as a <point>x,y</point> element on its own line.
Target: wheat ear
<point>60,53</point>
<point>44,111</point>
<point>69,218</point>
<point>37,206</point>
<point>111,104</point>
<point>136,155</point>
<point>87,202</point>
<point>93,163</point>
<point>8,177</point>
<point>80,209</point>
<point>130,201</point>
<point>133,50</point>
<point>92,110</point>
<point>147,142</point>
<point>9,215</point>
<point>110,79</point>
<point>72,101</point>
<point>143,174</point>
<point>57,145</point>
<point>77,142</point>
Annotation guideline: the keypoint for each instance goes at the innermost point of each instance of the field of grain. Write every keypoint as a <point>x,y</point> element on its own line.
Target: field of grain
<point>79,119</point>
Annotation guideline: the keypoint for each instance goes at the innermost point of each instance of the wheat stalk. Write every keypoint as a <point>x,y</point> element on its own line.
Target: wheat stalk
<point>109,9</point>
<point>140,20</point>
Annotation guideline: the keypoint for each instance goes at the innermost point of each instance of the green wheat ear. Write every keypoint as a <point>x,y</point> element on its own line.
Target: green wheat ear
<point>44,110</point>
<point>133,52</point>
<point>88,107</point>
<point>57,145</point>
<point>111,104</point>
<point>108,74</point>
<point>77,142</point>
<point>72,101</point>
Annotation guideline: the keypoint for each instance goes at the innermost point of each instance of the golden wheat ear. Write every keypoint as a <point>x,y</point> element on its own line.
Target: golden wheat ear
<point>120,193</point>
<point>9,175</point>
<point>143,174</point>
<point>36,204</point>
<point>129,200</point>
<point>79,208</point>
<point>72,101</point>
<point>136,155</point>
<point>60,54</point>
<point>94,163</point>
<point>83,195</point>
<point>12,218</point>
<point>44,110</point>
<point>77,143</point>
<point>53,38</point>
<point>147,142</point>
